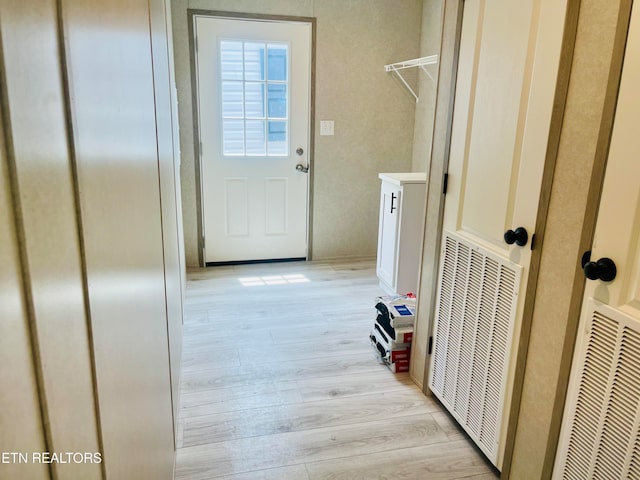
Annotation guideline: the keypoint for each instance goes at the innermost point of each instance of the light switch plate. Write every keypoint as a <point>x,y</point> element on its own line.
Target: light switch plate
<point>326,127</point>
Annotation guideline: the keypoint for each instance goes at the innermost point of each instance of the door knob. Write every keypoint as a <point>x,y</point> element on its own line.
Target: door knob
<point>519,236</point>
<point>302,168</point>
<point>604,269</point>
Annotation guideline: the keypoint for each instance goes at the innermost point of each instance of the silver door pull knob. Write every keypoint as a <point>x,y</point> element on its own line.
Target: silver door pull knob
<point>302,168</point>
<point>299,151</point>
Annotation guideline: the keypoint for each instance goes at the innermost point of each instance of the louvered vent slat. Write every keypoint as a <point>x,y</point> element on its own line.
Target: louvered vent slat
<point>497,356</point>
<point>602,438</point>
<point>591,396</point>
<point>482,343</point>
<point>620,413</point>
<point>469,328</point>
<point>455,361</point>
<point>444,303</point>
<point>455,326</point>
<point>634,464</point>
<point>477,298</point>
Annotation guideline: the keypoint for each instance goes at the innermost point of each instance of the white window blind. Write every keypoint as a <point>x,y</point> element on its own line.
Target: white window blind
<point>254,79</point>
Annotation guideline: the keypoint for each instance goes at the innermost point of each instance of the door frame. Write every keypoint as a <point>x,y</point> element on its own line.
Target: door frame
<point>191,14</point>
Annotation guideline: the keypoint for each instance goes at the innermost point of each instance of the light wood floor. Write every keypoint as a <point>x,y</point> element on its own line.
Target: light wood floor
<point>279,382</point>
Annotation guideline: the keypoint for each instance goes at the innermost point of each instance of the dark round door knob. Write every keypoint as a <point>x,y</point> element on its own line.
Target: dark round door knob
<point>519,236</point>
<point>604,269</point>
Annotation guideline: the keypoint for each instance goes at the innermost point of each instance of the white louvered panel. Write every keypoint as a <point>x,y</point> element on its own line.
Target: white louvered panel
<point>499,353</point>
<point>477,297</point>
<point>468,352</point>
<point>455,362</point>
<point>617,430</point>
<point>444,306</point>
<point>601,430</point>
<point>482,345</point>
<point>634,461</point>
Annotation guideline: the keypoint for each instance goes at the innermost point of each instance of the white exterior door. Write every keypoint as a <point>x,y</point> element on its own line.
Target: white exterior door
<point>601,427</point>
<point>254,84</point>
<point>508,66</point>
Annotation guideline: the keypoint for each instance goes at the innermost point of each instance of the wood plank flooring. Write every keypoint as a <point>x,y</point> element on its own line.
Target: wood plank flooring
<point>279,382</point>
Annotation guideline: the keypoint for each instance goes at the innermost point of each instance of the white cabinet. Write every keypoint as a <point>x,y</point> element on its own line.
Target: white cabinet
<point>402,199</point>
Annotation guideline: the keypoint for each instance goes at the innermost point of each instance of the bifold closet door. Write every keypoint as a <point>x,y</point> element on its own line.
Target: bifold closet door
<point>90,239</point>
<point>508,65</point>
<point>169,168</point>
<point>22,425</point>
<point>38,154</point>
<point>113,112</point>
<point>600,435</point>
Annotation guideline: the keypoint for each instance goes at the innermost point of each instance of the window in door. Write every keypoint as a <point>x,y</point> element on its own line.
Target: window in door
<point>255,98</point>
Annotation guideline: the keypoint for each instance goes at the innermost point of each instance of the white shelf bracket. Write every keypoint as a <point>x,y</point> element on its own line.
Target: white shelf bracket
<point>428,74</point>
<point>416,62</point>
<point>390,68</point>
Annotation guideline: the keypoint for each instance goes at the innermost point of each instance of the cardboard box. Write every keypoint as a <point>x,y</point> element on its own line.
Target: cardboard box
<point>396,366</point>
<point>386,352</point>
<point>399,367</point>
<point>393,336</point>
<point>398,311</point>
<point>392,331</point>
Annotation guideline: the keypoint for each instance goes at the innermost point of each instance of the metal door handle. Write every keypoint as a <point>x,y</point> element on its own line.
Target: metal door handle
<point>604,269</point>
<point>302,168</point>
<point>393,197</point>
<point>519,236</point>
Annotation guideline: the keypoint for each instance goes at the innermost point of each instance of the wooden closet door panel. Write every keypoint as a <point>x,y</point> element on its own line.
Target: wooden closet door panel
<point>22,427</point>
<point>109,54</point>
<point>45,191</point>
<point>169,187</point>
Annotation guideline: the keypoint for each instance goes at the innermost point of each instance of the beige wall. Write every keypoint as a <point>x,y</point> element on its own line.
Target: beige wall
<point>430,40</point>
<point>373,112</point>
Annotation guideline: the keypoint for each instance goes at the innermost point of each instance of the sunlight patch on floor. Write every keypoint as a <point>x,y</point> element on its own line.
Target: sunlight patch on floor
<point>273,280</point>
